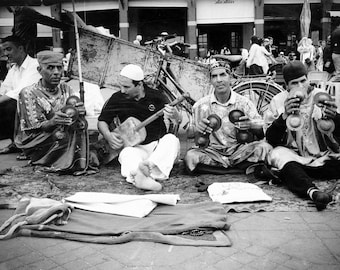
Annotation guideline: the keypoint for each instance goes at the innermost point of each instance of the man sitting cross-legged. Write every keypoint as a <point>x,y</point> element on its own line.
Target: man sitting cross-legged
<point>228,146</point>
<point>151,158</point>
<point>49,132</point>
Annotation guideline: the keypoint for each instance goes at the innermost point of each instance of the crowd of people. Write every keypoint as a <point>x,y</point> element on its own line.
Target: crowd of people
<point>45,119</point>
<point>264,58</point>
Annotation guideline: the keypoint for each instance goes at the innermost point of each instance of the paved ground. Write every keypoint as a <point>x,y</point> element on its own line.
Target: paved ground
<point>264,240</point>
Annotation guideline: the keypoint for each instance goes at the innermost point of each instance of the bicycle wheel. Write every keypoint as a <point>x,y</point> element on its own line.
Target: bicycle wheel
<point>259,92</point>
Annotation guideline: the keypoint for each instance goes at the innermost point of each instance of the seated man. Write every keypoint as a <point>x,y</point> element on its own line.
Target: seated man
<point>151,158</point>
<point>48,133</point>
<point>22,73</point>
<point>227,147</point>
<point>305,152</point>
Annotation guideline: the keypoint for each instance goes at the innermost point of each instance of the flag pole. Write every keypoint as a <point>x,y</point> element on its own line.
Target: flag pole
<point>81,83</point>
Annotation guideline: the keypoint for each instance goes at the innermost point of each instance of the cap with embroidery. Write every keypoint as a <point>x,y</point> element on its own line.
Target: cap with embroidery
<point>132,72</point>
<point>220,64</point>
<point>50,57</point>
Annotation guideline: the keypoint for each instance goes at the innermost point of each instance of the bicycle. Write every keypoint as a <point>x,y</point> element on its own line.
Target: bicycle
<point>164,78</point>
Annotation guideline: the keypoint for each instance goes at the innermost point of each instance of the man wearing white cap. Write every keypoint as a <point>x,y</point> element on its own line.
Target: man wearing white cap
<point>154,157</point>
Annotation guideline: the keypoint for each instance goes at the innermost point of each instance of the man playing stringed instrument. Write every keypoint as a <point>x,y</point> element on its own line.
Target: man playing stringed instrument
<point>154,152</point>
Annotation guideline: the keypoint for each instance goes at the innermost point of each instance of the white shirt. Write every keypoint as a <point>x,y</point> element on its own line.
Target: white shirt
<point>257,55</point>
<point>19,77</point>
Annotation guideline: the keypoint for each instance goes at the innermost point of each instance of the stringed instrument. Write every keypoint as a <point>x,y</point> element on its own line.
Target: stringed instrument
<point>132,131</point>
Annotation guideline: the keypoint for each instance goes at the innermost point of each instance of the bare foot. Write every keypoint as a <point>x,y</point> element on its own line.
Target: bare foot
<point>145,167</point>
<point>142,181</point>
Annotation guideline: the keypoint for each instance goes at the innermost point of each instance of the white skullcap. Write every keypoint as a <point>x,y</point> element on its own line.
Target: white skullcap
<point>132,72</point>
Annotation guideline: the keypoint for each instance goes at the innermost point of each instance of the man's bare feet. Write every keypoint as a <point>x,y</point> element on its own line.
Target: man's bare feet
<point>143,180</point>
<point>145,167</point>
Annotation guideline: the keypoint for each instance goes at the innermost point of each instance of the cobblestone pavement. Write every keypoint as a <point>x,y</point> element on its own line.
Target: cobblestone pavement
<point>262,240</point>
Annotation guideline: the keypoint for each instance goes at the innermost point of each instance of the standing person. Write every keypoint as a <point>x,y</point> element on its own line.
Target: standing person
<point>307,52</point>
<point>319,55</point>
<point>48,133</point>
<point>225,148</point>
<point>335,48</point>
<point>25,25</point>
<point>272,47</point>
<point>22,73</point>
<point>257,62</point>
<point>306,153</point>
<point>327,57</point>
<point>153,158</point>
<point>270,58</point>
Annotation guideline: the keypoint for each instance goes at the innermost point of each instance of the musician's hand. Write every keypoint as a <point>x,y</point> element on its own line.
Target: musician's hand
<point>203,126</point>
<point>291,105</point>
<point>172,114</point>
<point>114,140</point>
<point>243,123</point>
<point>60,118</point>
<point>329,109</point>
<point>81,108</point>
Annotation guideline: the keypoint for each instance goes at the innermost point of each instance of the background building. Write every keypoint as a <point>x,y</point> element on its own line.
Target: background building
<point>204,24</point>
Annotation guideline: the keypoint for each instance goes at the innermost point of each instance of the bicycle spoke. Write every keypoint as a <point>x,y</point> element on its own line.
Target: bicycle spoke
<point>259,92</point>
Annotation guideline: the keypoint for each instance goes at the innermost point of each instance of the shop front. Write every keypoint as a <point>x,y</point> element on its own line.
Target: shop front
<point>224,23</point>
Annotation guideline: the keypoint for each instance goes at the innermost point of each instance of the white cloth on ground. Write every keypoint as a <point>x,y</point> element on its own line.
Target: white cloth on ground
<point>120,204</point>
<point>230,192</point>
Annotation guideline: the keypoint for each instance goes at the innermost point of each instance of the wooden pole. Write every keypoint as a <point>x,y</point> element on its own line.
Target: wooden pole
<point>81,83</point>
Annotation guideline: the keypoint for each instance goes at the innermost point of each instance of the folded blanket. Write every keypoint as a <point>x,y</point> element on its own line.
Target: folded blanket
<point>36,211</point>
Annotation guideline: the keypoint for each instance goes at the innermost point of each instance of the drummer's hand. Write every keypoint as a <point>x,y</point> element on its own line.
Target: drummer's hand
<point>60,118</point>
<point>329,109</point>
<point>171,113</point>
<point>114,140</point>
<point>291,105</point>
<point>203,126</point>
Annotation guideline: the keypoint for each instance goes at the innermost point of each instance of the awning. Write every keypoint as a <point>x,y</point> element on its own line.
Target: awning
<point>334,13</point>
